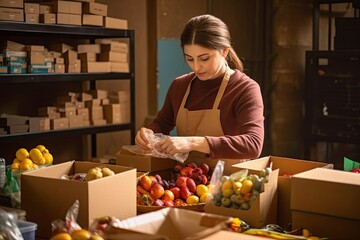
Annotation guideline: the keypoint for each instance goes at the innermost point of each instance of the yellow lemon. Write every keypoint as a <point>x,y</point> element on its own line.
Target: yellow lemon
<point>48,158</point>
<point>201,189</point>
<point>26,164</point>
<point>193,199</point>
<point>21,154</point>
<point>227,192</point>
<point>15,166</point>
<point>42,148</point>
<point>61,236</point>
<point>96,237</point>
<point>246,186</point>
<point>36,156</point>
<point>17,161</point>
<point>203,197</point>
<point>226,185</point>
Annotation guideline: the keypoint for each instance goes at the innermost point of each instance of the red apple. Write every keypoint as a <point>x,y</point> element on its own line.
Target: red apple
<point>177,168</point>
<point>185,192</point>
<point>186,171</point>
<point>191,164</point>
<point>205,180</point>
<point>197,170</point>
<point>181,181</point>
<point>190,184</point>
<point>176,192</point>
<point>157,190</point>
<point>204,167</point>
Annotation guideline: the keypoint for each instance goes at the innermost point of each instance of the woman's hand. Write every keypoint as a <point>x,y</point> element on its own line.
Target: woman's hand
<point>141,138</point>
<point>172,145</point>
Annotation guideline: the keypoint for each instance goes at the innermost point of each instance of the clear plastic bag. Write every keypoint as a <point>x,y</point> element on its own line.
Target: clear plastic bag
<point>70,224</point>
<point>153,139</point>
<point>8,226</point>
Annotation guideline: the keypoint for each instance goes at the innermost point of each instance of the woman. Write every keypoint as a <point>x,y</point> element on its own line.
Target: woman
<point>217,110</point>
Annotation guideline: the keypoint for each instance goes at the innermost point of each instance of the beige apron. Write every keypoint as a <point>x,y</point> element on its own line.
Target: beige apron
<point>203,123</point>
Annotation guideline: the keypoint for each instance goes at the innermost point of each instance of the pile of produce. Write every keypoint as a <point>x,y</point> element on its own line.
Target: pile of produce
<point>26,160</point>
<point>189,186</point>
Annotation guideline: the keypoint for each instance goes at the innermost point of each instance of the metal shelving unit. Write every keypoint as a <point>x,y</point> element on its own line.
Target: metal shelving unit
<point>332,88</point>
<point>48,31</point>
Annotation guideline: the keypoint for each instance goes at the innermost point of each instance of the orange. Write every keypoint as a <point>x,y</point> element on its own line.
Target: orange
<point>21,154</point>
<point>61,236</point>
<point>15,166</point>
<point>26,164</point>
<point>80,234</point>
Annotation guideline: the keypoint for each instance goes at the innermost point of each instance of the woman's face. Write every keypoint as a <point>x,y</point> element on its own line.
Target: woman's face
<point>206,63</point>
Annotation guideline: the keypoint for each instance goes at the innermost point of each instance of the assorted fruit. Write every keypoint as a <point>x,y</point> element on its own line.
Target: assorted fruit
<point>239,189</point>
<point>91,174</point>
<point>189,186</point>
<point>37,156</point>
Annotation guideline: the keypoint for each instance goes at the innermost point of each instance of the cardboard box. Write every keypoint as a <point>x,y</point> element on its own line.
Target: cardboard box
<point>112,113</point>
<point>92,20</point>
<point>91,67</point>
<point>108,196</point>
<point>99,93</point>
<point>59,123</point>
<point>143,163</point>
<point>68,19</point>
<point>70,56</point>
<point>44,9</point>
<point>85,48</point>
<point>32,8</point>
<point>12,3</point>
<point>96,113</point>
<point>68,7</point>
<point>94,102</point>
<point>84,113</point>
<point>98,122</point>
<point>87,57</point>
<point>113,46</point>
<point>119,67</point>
<point>9,119</point>
<point>95,8</point>
<point>113,57</point>
<point>37,124</point>
<point>12,14</point>
<point>60,47</point>
<point>75,121</point>
<point>110,22</point>
<point>326,197</point>
<point>175,224</point>
<point>263,209</point>
<point>14,129</point>
<point>32,18</point>
<point>225,235</point>
<point>48,18</point>
<point>73,67</point>
<point>13,46</point>
<point>287,167</point>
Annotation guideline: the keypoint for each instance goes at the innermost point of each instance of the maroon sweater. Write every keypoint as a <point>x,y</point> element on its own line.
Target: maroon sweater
<point>241,113</point>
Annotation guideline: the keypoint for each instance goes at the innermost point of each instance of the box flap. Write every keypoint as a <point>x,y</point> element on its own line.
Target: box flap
<point>53,171</point>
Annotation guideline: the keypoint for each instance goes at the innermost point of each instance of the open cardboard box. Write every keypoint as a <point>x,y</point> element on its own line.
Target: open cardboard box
<point>326,202</point>
<point>143,163</point>
<point>46,197</point>
<point>263,208</point>
<point>173,224</point>
<point>287,167</point>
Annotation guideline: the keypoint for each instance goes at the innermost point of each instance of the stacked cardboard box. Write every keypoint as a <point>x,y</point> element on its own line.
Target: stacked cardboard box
<point>12,10</point>
<point>94,13</point>
<point>11,124</point>
<point>32,12</point>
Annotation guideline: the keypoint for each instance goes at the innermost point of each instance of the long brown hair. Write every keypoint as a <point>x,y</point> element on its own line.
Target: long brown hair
<point>210,32</point>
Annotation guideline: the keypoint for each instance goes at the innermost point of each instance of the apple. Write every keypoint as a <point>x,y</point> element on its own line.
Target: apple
<point>204,179</point>
<point>157,190</point>
<point>179,202</point>
<point>190,184</point>
<point>176,192</point>
<point>197,170</point>
<point>185,192</point>
<point>177,168</point>
<point>186,171</point>
<point>181,181</point>
<point>191,164</point>
<point>158,202</point>
<point>168,203</point>
<point>226,202</point>
<point>204,167</point>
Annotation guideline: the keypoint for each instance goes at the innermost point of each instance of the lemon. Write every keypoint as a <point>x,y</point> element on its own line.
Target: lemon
<point>201,189</point>
<point>26,164</point>
<point>227,192</point>
<point>17,161</point>
<point>42,148</point>
<point>204,197</point>
<point>226,185</point>
<point>15,166</point>
<point>36,156</point>
<point>246,186</point>
<point>48,158</point>
<point>21,154</point>
<point>193,199</point>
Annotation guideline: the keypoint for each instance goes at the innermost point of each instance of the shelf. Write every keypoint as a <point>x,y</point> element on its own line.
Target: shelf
<point>59,77</point>
<point>332,1</point>
<point>68,131</point>
<point>70,30</point>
